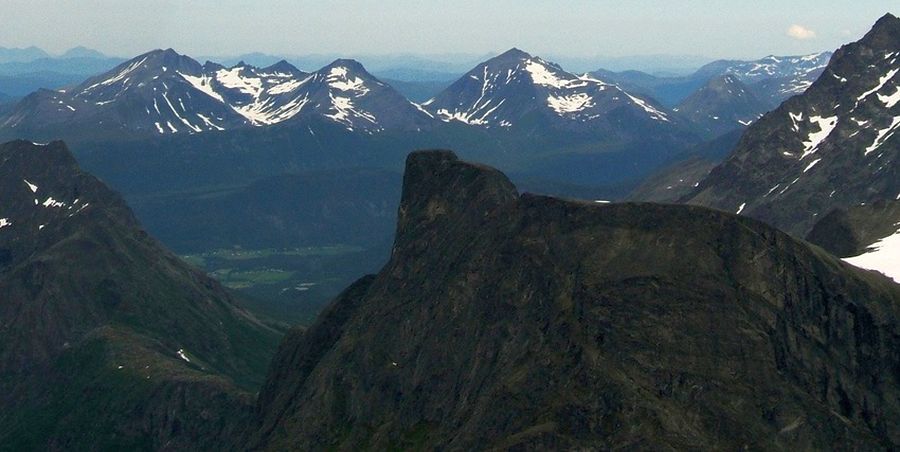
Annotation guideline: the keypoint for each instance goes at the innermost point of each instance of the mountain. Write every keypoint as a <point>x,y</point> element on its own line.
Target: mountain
<point>771,79</point>
<point>774,78</point>
<point>345,93</point>
<point>16,55</point>
<point>83,52</point>
<point>163,92</point>
<point>518,91</point>
<point>723,104</point>
<point>833,146</point>
<point>524,322</point>
<point>107,340</point>
<point>866,235</point>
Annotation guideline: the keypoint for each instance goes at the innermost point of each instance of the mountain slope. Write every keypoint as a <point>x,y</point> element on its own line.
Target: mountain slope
<point>722,105</point>
<point>107,339</point>
<point>834,146</point>
<point>683,174</point>
<point>506,321</point>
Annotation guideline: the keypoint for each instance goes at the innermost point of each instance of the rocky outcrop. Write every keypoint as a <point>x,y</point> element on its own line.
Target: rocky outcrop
<point>508,321</point>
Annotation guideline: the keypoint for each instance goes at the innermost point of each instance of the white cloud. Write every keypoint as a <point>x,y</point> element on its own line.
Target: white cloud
<point>800,32</point>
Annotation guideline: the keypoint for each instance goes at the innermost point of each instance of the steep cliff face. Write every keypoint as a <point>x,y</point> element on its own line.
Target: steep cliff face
<point>526,321</point>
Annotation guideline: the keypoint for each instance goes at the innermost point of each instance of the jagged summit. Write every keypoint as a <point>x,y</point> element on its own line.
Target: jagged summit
<point>885,33</point>
<point>282,66</point>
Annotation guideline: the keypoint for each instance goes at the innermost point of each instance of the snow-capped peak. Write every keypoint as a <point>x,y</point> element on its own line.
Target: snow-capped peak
<point>499,91</point>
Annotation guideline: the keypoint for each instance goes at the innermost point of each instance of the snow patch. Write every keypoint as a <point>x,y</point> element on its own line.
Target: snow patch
<point>570,104</point>
<point>884,135</point>
<point>50,202</point>
<point>337,79</point>
<point>34,188</point>
<point>882,256</point>
<point>541,75</point>
<point>4,222</point>
<point>203,84</point>
<point>890,100</point>
<point>814,139</point>
<point>881,82</point>
<point>233,79</point>
<point>812,164</point>
<point>656,114</point>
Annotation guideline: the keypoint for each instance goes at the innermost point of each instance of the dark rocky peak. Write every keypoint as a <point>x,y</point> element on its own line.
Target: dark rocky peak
<point>347,74</point>
<point>283,67</point>
<point>45,193</point>
<point>167,60</point>
<point>146,68</point>
<point>211,66</point>
<point>885,34</point>
<point>439,191</point>
<point>351,65</point>
<point>512,55</point>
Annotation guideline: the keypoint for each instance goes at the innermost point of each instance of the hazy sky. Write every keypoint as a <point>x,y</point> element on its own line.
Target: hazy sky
<point>714,28</point>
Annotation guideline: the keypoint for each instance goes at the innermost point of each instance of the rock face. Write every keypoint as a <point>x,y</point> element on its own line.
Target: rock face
<point>508,321</point>
<point>834,146</point>
<point>107,340</point>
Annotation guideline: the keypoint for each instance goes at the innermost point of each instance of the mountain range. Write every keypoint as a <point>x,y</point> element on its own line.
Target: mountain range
<point>834,146</point>
<point>773,78</point>
<point>162,92</point>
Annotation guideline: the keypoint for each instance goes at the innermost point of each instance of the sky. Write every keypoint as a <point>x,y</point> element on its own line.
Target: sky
<point>582,28</point>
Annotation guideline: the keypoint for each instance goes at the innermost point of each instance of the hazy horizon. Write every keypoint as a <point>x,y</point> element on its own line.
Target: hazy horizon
<point>579,30</point>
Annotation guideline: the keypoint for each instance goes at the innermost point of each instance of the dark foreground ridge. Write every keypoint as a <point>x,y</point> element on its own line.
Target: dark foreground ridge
<point>525,321</point>
<point>107,340</point>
